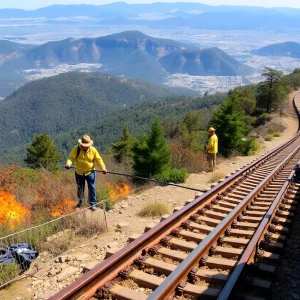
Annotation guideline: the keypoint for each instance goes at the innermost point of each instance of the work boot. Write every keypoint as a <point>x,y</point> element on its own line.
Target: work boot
<point>93,208</point>
<point>77,206</point>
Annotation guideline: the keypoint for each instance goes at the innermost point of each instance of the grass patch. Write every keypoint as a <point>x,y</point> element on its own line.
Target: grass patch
<point>268,137</point>
<point>59,244</point>
<point>8,272</point>
<point>88,223</point>
<point>216,176</point>
<point>277,134</point>
<point>35,236</point>
<point>154,209</point>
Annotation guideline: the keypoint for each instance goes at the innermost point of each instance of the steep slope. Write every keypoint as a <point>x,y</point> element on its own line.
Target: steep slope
<point>62,102</point>
<point>211,61</point>
<point>10,79</point>
<point>11,50</point>
<point>290,49</point>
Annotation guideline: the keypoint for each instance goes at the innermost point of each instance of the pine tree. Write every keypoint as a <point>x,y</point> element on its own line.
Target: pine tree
<point>271,91</point>
<point>229,123</point>
<point>151,155</point>
<point>123,148</point>
<point>42,153</point>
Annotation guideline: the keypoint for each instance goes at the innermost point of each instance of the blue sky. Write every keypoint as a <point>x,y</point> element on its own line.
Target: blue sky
<point>33,4</point>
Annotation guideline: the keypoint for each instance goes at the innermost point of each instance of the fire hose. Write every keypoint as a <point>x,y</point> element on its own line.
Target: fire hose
<point>143,178</point>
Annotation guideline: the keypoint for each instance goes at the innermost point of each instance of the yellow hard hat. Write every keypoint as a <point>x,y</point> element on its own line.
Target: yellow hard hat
<point>211,129</point>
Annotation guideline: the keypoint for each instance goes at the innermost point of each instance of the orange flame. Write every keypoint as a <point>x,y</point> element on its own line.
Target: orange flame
<point>12,213</point>
<point>117,192</point>
<point>63,207</point>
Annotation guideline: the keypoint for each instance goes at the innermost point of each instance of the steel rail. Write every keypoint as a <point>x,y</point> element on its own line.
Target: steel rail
<point>167,288</point>
<point>85,286</point>
<point>256,238</point>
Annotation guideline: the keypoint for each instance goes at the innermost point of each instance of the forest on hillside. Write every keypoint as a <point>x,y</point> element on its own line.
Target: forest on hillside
<point>62,102</point>
<point>67,117</point>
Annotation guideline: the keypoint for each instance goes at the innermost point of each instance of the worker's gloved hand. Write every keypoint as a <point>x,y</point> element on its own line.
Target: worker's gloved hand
<point>67,166</point>
<point>104,171</point>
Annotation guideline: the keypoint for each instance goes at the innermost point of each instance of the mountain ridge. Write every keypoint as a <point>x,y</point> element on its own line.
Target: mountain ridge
<point>289,49</point>
<point>132,54</point>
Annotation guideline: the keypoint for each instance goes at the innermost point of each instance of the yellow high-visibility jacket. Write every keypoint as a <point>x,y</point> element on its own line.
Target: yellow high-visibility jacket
<point>85,162</point>
<point>212,145</point>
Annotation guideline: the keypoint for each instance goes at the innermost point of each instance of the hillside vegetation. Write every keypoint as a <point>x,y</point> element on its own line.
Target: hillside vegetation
<point>59,103</point>
<point>138,118</point>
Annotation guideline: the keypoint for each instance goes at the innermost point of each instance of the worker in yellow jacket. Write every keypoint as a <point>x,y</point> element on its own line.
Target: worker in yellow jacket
<point>84,156</point>
<point>212,149</point>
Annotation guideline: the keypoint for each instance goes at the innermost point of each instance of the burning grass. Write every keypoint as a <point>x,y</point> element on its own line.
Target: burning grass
<point>64,207</point>
<point>118,192</point>
<point>113,192</point>
<point>12,213</point>
<point>34,209</point>
<point>31,197</point>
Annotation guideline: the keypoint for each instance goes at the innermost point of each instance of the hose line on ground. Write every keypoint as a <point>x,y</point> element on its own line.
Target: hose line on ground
<point>143,178</point>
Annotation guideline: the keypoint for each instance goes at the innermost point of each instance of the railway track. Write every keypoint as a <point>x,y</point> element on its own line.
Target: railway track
<point>224,244</point>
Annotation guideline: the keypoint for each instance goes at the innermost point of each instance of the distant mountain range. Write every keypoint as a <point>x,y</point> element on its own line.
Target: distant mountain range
<point>290,49</point>
<point>135,10</point>
<point>230,20</point>
<point>131,54</point>
<point>195,15</point>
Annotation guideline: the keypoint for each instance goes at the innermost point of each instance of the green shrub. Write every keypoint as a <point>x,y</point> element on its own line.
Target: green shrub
<point>250,120</point>
<point>262,119</point>
<point>183,157</point>
<point>248,146</point>
<point>8,272</point>
<point>276,134</point>
<point>268,137</point>
<point>173,175</point>
<point>103,195</point>
<point>109,204</point>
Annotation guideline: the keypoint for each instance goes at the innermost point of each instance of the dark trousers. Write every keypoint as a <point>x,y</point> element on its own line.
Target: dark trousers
<point>80,181</point>
<point>212,161</point>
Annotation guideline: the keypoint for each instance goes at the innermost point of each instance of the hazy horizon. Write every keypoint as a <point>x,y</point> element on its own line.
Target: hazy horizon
<point>35,4</point>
